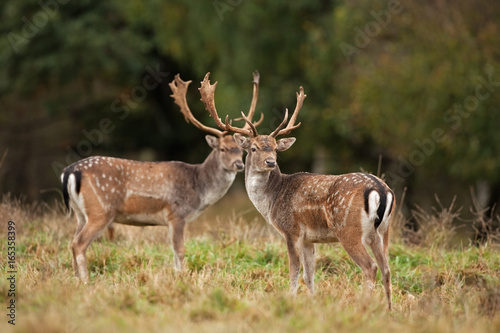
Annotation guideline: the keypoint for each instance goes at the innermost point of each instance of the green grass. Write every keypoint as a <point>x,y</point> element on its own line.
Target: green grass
<point>236,280</point>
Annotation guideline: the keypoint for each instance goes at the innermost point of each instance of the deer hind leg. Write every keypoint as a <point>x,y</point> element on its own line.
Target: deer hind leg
<point>308,264</point>
<point>177,238</point>
<point>82,240</point>
<point>293,263</point>
<point>81,219</point>
<point>357,251</point>
<point>379,248</point>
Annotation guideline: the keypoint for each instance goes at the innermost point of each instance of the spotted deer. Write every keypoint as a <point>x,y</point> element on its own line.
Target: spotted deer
<point>102,190</point>
<point>353,209</point>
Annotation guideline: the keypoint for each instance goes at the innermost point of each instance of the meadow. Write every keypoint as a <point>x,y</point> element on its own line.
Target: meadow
<point>236,278</point>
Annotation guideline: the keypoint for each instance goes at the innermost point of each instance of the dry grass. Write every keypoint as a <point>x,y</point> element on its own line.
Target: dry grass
<point>237,280</point>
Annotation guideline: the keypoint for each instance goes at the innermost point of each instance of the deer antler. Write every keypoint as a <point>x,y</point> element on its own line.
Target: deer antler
<point>291,125</point>
<point>207,92</point>
<point>255,96</point>
<point>179,89</point>
<point>249,125</point>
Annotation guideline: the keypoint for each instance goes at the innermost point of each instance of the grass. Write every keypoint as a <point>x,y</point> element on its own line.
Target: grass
<point>236,280</point>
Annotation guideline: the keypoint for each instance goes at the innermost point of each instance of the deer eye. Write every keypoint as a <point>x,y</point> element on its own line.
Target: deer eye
<point>222,150</point>
<point>254,149</point>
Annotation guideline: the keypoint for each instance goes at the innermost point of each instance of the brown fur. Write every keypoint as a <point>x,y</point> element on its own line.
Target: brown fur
<point>310,208</point>
<point>146,194</point>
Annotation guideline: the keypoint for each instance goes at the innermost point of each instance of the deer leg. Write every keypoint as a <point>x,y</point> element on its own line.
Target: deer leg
<point>293,263</point>
<point>111,232</point>
<point>83,239</point>
<point>357,251</point>
<point>379,248</point>
<point>80,223</point>
<point>177,238</point>
<point>308,264</point>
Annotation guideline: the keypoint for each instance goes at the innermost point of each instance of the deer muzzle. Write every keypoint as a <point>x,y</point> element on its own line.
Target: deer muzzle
<point>270,162</point>
<point>238,165</point>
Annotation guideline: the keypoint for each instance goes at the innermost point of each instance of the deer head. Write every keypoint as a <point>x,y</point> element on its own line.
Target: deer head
<point>262,149</point>
<point>224,146</point>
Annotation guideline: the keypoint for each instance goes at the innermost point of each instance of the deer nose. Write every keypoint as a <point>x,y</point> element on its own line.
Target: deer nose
<point>239,165</point>
<point>270,162</point>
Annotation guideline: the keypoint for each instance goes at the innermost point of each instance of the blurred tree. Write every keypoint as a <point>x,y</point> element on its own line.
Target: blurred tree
<point>417,84</point>
<point>423,85</point>
<point>62,62</point>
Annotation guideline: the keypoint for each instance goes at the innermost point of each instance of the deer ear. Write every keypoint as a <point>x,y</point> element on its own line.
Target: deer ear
<point>212,141</point>
<point>284,144</point>
<point>241,140</point>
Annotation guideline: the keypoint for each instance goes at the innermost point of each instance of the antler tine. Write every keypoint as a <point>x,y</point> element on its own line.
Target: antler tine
<point>255,95</point>
<point>250,131</point>
<point>207,91</point>
<point>291,125</point>
<point>255,124</point>
<point>249,126</point>
<point>179,90</point>
<point>277,130</point>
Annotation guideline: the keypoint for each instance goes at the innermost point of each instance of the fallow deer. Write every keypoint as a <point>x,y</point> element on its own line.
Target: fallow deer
<point>353,209</point>
<point>102,190</point>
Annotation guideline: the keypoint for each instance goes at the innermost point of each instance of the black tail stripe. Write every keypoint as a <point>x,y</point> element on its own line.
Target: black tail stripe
<point>78,178</point>
<point>65,189</point>
<point>367,193</point>
<point>381,209</point>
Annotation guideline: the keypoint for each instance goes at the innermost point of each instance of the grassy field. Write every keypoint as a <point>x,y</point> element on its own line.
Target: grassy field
<point>237,279</point>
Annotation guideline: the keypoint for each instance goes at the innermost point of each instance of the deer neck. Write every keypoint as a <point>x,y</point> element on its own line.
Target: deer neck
<point>261,188</point>
<point>213,180</point>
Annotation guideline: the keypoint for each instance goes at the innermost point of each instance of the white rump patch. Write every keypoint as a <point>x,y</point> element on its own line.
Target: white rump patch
<point>76,199</point>
<point>368,219</point>
<point>373,203</point>
<point>72,187</point>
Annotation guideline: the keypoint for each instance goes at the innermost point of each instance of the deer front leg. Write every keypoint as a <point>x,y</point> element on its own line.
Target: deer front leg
<point>177,237</point>
<point>293,263</point>
<point>308,264</point>
<point>111,232</point>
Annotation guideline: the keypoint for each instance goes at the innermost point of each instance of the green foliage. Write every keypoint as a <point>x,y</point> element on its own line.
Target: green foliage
<point>415,83</point>
<point>414,79</point>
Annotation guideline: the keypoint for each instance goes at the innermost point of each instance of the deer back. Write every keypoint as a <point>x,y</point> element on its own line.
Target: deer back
<point>133,190</point>
<point>327,206</point>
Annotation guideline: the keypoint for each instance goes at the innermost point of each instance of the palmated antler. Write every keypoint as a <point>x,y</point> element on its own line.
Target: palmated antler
<point>179,89</point>
<point>291,125</point>
<point>207,92</point>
